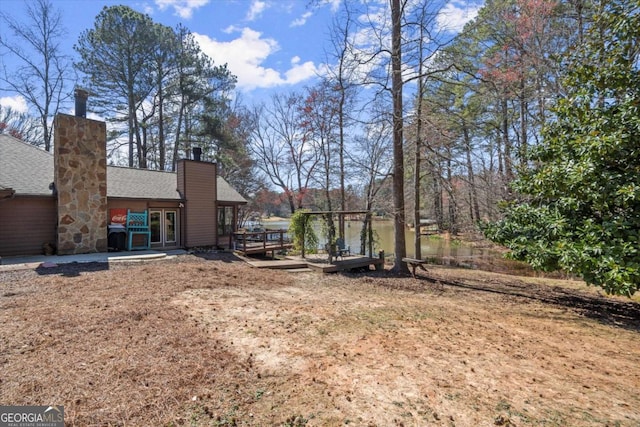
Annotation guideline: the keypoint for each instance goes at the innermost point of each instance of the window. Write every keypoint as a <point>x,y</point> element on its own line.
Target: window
<point>170,226</point>
<point>155,226</point>
<point>225,220</point>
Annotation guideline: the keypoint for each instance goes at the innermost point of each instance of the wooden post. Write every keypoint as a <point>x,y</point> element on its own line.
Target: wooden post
<point>370,236</point>
<point>306,218</point>
<point>380,266</point>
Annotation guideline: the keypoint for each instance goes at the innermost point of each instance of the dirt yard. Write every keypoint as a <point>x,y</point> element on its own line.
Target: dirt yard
<point>213,342</point>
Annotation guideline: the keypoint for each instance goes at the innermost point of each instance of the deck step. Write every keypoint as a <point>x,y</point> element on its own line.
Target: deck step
<point>278,264</point>
<point>141,257</point>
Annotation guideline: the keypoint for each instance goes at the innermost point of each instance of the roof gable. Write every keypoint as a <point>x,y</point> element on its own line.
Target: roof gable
<point>226,193</point>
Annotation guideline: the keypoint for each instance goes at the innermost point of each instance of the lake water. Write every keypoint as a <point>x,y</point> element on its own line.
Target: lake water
<point>446,251</point>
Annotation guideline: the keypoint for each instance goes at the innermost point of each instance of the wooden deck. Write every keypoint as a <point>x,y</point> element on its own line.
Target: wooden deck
<point>263,248</point>
<point>262,242</point>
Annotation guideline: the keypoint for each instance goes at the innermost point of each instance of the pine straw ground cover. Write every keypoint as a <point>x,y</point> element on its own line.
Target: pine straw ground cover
<point>202,342</point>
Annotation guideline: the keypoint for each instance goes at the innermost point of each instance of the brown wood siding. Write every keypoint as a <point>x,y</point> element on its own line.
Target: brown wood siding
<point>141,205</point>
<point>180,179</point>
<point>164,205</point>
<point>134,205</point>
<point>26,223</point>
<point>197,182</point>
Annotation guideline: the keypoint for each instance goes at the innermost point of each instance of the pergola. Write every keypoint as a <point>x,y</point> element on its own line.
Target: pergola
<point>340,215</point>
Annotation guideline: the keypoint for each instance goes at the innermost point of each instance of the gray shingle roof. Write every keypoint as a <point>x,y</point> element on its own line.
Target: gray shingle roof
<point>141,184</point>
<point>28,170</point>
<point>25,168</point>
<point>226,193</point>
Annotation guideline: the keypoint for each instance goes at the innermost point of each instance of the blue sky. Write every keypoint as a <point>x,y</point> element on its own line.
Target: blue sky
<point>268,44</point>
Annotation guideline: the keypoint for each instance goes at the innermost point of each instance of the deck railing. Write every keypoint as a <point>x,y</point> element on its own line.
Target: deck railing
<point>261,241</point>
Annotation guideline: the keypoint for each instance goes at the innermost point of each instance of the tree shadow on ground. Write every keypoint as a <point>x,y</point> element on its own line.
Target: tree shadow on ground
<point>218,256</point>
<point>72,269</point>
<point>606,310</point>
<point>622,314</point>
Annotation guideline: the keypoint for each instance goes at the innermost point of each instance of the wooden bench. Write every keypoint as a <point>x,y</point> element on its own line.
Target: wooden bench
<point>415,263</point>
<point>138,225</point>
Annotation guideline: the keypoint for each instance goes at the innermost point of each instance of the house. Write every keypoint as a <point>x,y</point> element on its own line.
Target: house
<point>69,199</point>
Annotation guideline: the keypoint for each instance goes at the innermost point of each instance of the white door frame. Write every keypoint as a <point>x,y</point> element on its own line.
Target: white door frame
<point>164,224</point>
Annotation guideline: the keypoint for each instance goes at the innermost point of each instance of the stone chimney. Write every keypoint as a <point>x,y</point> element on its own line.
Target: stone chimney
<point>80,159</point>
<point>197,154</point>
<point>81,97</point>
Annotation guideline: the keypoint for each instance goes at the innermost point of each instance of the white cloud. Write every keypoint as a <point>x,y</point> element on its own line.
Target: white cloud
<point>183,8</point>
<point>148,9</point>
<point>245,57</point>
<point>256,9</point>
<point>335,4</point>
<point>300,72</point>
<point>230,29</point>
<point>17,103</point>
<point>302,20</point>
<point>456,14</point>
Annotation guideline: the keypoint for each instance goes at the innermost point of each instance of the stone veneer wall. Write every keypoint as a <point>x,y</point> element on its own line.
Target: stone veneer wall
<point>81,183</point>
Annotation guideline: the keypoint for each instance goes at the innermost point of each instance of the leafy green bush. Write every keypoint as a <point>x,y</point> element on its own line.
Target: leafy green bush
<point>303,234</point>
<point>580,207</point>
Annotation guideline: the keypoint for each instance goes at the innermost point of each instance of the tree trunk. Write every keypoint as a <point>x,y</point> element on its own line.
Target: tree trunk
<point>162,149</point>
<point>437,198</point>
<point>343,199</point>
<point>473,191</point>
<point>131,129</point>
<point>506,144</point>
<point>398,153</point>
<point>417,243</point>
<point>453,206</point>
<point>523,125</point>
<point>417,247</point>
<point>291,200</point>
<point>364,233</point>
<point>176,143</point>
<point>141,146</point>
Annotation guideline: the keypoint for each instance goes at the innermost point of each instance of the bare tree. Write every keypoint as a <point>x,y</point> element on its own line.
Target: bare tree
<point>342,76</point>
<point>281,150</point>
<point>19,125</point>
<point>320,116</point>
<point>43,70</point>
<point>372,160</point>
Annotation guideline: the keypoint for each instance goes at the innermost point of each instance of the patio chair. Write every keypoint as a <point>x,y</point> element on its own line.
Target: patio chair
<point>341,248</point>
<point>138,225</point>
